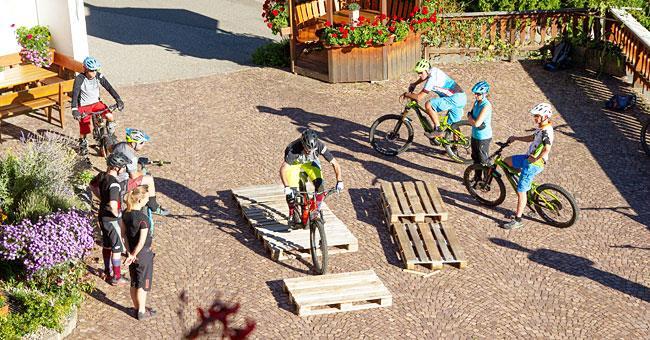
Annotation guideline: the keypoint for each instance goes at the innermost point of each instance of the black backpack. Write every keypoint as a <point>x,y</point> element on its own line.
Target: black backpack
<point>561,57</point>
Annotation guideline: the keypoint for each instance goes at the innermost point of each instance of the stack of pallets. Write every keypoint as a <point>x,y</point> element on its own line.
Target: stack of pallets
<point>416,215</point>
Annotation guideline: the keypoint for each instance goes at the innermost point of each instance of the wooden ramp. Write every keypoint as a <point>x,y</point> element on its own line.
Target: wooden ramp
<point>333,293</point>
<point>429,244</point>
<point>265,209</point>
<point>412,200</point>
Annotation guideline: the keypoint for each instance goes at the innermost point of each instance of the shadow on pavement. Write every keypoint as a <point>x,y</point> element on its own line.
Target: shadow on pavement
<point>186,32</point>
<point>611,137</point>
<point>281,297</point>
<point>579,266</point>
<point>100,296</point>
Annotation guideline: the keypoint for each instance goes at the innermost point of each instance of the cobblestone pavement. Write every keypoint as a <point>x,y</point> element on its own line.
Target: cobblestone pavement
<point>588,281</point>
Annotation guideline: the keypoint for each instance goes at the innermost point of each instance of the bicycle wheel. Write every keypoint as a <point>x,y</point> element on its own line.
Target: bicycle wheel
<point>388,136</point>
<point>318,243</point>
<point>459,146</point>
<point>556,205</point>
<point>645,137</point>
<point>488,191</point>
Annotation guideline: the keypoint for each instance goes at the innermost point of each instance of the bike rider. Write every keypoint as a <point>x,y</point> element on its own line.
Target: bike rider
<point>451,97</point>
<point>480,117</point>
<point>532,163</point>
<point>85,99</point>
<point>134,177</point>
<point>302,156</point>
<point>110,217</point>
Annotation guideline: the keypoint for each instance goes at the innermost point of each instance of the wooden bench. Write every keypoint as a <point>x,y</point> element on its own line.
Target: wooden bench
<point>42,97</point>
<point>65,67</point>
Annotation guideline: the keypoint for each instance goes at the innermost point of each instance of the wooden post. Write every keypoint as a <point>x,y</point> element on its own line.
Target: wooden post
<point>384,49</point>
<point>330,11</point>
<point>292,39</point>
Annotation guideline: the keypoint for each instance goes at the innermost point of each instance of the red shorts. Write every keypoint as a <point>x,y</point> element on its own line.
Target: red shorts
<point>84,123</point>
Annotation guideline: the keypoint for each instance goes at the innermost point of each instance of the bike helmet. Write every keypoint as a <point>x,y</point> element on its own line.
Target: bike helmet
<point>309,139</point>
<point>543,109</point>
<point>136,136</point>
<point>482,87</point>
<point>117,160</point>
<point>91,63</point>
<point>422,65</point>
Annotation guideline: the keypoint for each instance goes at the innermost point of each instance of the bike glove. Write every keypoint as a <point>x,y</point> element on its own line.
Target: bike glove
<point>75,114</point>
<point>288,191</point>
<point>120,104</point>
<point>339,186</point>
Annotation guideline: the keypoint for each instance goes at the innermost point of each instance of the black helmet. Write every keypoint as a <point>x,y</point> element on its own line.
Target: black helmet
<point>309,139</point>
<point>117,160</point>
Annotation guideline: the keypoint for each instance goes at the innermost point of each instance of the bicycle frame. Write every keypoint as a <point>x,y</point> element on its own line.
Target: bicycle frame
<point>426,124</point>
<point>310,210</point>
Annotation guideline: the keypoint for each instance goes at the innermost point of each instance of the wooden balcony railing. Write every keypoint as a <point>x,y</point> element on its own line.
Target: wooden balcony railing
<point>634,41</point>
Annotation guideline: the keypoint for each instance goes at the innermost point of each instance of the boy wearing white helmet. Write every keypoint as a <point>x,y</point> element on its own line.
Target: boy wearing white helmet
<point>532,163</point>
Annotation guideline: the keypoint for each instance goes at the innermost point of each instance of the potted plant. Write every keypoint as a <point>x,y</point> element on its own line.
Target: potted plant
<point>354,12</point>
<point>35,45</point>
<point>276,16</point>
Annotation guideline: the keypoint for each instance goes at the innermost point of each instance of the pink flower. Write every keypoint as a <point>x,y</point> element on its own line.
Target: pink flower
<point>29,36</point>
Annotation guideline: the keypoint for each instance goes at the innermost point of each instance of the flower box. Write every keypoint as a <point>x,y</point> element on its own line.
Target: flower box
<point>285,31</point>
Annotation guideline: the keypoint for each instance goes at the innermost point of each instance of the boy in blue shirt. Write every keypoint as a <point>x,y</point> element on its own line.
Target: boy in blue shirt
<point>480,117</point>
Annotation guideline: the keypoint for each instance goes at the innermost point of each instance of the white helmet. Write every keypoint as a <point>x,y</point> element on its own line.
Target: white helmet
<point>543,109</point>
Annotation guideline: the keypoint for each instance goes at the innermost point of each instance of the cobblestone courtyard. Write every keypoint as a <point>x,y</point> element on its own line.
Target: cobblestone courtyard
<point>588,281</point>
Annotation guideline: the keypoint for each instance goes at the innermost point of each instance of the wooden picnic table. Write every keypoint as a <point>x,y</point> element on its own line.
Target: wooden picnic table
<point>24,74</point>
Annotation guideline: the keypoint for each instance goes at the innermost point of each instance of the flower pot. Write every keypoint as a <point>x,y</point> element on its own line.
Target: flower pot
<point>285,31</point>
<point>354,17</point>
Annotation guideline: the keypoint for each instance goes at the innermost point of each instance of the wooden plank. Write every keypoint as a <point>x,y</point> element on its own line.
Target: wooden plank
<point>455,246</point>
<point>404,243</point>
<point>417,242</point>
<point>441,242</point>
<point>426,200</point>
<point>430,243</point>
<point>414,201</point>
<point>391,200</point>
<point>438,203</point>
<point>401,198</point>
<point>306,281</point>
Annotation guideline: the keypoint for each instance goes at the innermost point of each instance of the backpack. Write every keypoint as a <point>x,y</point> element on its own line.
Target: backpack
<point>561,57</point>
<point>621,102</point>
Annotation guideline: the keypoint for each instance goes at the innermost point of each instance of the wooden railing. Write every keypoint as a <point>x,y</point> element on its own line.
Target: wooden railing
<point>468,33</point>
<point>634,41</point>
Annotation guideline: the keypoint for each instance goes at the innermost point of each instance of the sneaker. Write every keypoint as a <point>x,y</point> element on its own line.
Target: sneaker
<point>148,314</point>
<point>434,134</point>
<point>295,222</point>
<point>513,224</point>
<point>161,211</point>
<point>122,281</point>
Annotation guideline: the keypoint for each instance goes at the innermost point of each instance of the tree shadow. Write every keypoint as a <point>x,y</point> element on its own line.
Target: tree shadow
<point>220,210</point>
<point>579,266</point>
<point>178,30</point>
<point>353,137</point>
<point>611,137</point>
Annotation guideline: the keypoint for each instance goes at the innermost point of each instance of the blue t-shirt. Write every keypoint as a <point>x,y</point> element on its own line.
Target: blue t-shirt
<point>486,132</point>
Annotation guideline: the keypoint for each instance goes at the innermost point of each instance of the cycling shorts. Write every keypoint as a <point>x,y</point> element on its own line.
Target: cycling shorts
<point>84,123</point>
<point>312,170</point>
<point>454,105</point>
<point>528,172</point>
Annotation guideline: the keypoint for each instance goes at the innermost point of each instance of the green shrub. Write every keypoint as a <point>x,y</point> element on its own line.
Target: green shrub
<point>275,54</point>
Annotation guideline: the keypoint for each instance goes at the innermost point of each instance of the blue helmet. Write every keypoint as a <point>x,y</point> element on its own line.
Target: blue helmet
<point>92,64</point>
<point>482,87</point>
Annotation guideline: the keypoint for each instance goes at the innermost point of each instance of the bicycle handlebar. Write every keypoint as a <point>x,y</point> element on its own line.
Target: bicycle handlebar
<point>502,145</point>
<point>326,192</point>
<point>100,112</point>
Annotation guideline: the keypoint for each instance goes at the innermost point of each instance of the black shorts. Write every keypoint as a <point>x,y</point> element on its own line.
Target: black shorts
<point>111,234</point>
<point>142,270</point>
<point>481,150</point>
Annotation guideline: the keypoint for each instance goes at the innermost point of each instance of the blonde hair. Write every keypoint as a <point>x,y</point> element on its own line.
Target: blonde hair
<point>134,196</point>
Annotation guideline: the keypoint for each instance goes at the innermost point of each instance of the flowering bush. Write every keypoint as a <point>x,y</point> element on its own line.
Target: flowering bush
<point>50,241</point>
<point>35,44</point>
<point>365,34</point>
<point>276,15</point>
<point>399,28</point>
<point>39,180</point>
<point>422,19</point>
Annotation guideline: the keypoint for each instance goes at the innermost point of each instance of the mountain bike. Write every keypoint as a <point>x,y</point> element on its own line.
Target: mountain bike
<point>645,137</point>
<point>143,162</point>
<point>311,216</point>
<point>103,131</point>
<point>553,203</point>
<point>392,134</point>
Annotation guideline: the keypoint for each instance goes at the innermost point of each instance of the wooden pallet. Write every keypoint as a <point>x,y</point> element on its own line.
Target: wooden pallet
<point>429,244</point>
<point>333,293</point>
<point>265,209</point>
<point>412,200</point>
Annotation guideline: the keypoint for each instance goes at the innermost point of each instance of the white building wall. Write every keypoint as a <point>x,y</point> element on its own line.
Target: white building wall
<point>65,19</point>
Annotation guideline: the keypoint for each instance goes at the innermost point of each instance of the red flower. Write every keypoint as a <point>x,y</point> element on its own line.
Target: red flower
<point>369,42</point>
<point>275,12</point>
<point>334,35</point>
<point>392,28</point>
<point>328,24</point>
<point>382,17</point>
<point>263,14</point>
<point>270,25</point>
<point>352,28</point>
<point>395,17</point>
<point>362,18</point>
<point>425,10</point>
<point>341,29</point>
<point>380,32</point>
<point>432,18</point>
<point>29,36</point>
<point>416,9</point>
<point>374,24</point>
<point>345,35</point>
